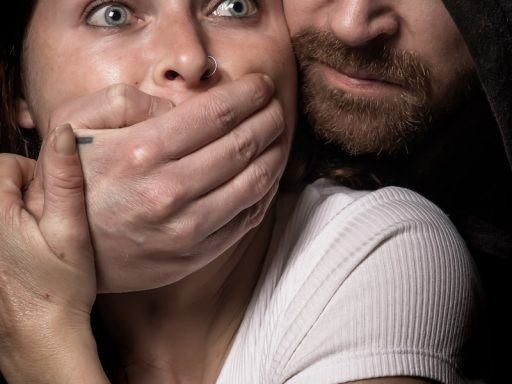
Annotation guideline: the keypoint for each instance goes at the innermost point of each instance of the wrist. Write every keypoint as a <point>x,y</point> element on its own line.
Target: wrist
<point>54,353</point>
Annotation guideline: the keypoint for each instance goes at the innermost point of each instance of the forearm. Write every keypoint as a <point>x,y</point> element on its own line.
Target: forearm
<point>67,355</point>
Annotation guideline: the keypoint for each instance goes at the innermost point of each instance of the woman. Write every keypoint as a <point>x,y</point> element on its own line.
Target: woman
<point>332,286</point>
<point>235,151</point>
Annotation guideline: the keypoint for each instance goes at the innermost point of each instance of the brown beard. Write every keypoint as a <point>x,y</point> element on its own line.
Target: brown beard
<point>362,124</point>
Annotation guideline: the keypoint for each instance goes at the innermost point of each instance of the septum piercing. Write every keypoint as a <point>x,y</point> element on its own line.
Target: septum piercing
<point>215,66</point>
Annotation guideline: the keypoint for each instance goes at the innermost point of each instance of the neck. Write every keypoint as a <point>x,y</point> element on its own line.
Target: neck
<point>452,140</point>
<point>460,165</point>
<point>183,332</point>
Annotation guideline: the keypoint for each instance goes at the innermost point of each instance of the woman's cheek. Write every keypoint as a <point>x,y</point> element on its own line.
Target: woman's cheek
<point>63,82</point>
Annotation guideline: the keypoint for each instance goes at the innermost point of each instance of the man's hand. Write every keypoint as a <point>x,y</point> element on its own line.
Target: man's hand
<point>176,186</point>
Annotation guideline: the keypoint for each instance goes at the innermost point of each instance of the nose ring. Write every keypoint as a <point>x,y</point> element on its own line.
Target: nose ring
<point>213,65</point>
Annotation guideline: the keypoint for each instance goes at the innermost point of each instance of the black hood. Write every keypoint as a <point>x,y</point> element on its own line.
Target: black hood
<point>487,29</point>
<point>486,26</point>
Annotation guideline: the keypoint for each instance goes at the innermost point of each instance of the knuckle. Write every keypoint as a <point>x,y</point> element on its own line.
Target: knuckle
<point>257,211</point>
<point>275,115</point>
<point>172,200</point>
<point>282,146</point>
<point>64,182</point>
<point>262,178</point>
<point>245,147</point>
<point>164,200</point>
<point>259,91</point>
<point>117,98</point>
<point>221,110</point>
<point>256,214</point>
<point>185,232</point>
<point>117,92</point>
<point>139,155</point>
<point>151,108</point>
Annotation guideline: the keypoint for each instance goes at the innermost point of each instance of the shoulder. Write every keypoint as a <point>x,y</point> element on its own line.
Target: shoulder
<point>351,220</point>
<point>373,286</point>
<point>358,285</point>
<point>387,205</point>
<point>390,203</point>
<point>392,239</point>
<point>337,238</point>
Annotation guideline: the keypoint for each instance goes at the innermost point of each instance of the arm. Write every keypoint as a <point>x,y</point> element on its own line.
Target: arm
<point>175,187</point>
<point>47,274</point>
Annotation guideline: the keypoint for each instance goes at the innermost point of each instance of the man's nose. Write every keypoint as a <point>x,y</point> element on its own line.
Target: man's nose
<point>360,22</point>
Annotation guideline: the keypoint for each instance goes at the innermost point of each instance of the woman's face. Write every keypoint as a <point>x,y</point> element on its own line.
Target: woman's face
<point>77,47</point>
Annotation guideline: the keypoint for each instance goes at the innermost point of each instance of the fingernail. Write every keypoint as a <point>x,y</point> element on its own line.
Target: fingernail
<point>159,107</point>
<point>65,141</point>
<point>269,81</point>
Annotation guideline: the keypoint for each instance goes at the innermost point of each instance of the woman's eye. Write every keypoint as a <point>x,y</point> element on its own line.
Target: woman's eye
<point>236,8</point>
<point>110,16</point>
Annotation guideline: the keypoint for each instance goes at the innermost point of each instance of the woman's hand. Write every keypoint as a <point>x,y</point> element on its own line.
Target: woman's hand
<point>47,276</point>
<point>177,186</point>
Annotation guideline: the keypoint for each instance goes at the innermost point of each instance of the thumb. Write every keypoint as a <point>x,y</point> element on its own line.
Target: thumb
<point>64,220</point>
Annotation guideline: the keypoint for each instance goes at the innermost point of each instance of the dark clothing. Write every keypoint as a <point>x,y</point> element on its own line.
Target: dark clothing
<point>486,221</point>
<point>487,29</point>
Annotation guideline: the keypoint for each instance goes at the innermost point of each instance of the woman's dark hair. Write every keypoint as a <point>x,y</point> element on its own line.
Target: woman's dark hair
<point>12,34</point>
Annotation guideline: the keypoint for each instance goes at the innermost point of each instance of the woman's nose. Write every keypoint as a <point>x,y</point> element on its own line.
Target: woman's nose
<point>183,59</point>
<point>360,22</point>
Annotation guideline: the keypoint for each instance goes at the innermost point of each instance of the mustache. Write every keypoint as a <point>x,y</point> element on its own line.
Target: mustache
<point>375,60</point>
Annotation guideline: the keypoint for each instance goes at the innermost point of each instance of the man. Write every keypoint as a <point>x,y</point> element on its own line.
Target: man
<point>393,87</point>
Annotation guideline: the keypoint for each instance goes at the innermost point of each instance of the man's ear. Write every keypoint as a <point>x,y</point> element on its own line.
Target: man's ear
<point>24,116</point>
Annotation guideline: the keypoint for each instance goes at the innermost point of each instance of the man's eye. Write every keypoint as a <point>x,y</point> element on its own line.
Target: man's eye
<point>236,8</point>
<point>110,16</point>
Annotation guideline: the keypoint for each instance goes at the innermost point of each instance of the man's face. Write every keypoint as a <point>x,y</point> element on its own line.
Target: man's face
<point>375,73</point>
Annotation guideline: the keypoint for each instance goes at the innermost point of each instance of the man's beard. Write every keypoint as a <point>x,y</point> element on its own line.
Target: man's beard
<point>364,124</point>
